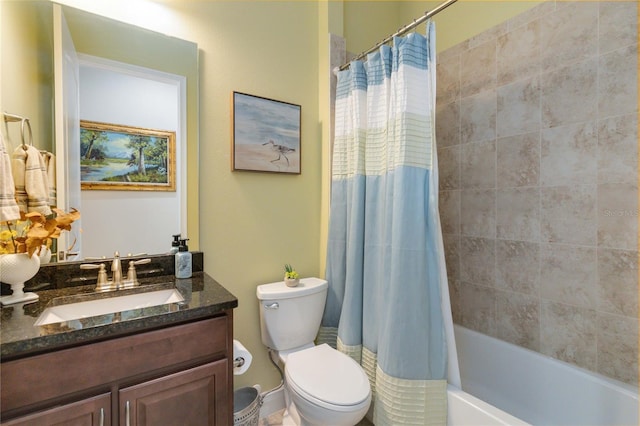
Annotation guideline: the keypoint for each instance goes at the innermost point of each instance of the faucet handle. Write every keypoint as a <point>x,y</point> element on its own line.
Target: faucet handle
<point>91,266</point>
<point>102,283</point>
<point>132,277</point>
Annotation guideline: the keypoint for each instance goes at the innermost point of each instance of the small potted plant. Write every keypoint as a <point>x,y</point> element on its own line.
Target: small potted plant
<point>291,277</point>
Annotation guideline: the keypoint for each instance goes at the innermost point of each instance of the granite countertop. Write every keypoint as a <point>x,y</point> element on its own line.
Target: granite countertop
<point>203,297</point>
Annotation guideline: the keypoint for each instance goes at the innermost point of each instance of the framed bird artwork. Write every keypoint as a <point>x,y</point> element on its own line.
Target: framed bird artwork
<point>265,135</point>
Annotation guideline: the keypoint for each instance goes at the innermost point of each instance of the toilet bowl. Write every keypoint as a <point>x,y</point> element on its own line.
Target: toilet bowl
<point>327,387</point>
<point>322,386</point>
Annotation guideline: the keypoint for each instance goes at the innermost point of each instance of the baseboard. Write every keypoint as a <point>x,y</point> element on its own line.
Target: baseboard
<point>272,403</point>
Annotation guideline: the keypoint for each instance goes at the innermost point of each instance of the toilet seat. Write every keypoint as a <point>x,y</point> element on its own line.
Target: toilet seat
<point>327,378</point>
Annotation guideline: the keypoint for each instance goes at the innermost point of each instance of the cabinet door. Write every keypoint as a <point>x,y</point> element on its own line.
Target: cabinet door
<point>197,396</point>
<point>94,411</point>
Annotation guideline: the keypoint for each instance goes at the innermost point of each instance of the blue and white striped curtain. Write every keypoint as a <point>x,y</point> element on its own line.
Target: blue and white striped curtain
<point>385,264</point>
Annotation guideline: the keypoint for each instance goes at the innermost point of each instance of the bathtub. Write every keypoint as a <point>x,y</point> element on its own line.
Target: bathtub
<point>504,384</point>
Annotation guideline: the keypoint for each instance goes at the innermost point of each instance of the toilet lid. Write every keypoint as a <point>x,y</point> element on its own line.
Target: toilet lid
<point>328,375</point>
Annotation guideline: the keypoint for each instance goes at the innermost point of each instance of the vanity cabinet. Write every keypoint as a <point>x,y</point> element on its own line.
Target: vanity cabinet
<point>180,374</point>
<point>94,411</point>
<point>185,398</point>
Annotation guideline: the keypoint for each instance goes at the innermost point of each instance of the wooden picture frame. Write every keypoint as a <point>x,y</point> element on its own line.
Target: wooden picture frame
<point>124,158</point>
<point>265,135</point>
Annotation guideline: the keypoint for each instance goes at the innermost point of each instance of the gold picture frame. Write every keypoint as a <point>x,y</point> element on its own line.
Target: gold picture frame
<point>115,157</point>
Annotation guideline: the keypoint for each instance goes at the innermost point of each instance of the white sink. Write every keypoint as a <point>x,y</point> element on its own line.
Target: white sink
<point>92,308</point>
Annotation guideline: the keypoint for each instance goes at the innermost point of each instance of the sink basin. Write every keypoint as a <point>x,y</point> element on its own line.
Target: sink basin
<point>92,308</point>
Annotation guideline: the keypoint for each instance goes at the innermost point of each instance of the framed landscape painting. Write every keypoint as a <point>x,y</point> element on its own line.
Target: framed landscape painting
<point>117,157</point>
<point>265,135</point>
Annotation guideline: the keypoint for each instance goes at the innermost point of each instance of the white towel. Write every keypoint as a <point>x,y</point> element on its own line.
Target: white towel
<point>50,163</point>
<point>8,208</point>
<point>30,178</point>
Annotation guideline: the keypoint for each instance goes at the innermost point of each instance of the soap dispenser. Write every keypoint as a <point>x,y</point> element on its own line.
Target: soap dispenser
<point>183,260</point>
<point>175,244</point>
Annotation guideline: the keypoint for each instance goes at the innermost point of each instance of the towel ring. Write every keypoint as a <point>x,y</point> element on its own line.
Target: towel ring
<point>24,144</point>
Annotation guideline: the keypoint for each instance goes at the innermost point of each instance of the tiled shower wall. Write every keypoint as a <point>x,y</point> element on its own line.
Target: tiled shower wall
<point>537,143</point>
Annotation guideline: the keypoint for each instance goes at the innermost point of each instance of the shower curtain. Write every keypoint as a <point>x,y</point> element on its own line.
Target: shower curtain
<point>385,262</point>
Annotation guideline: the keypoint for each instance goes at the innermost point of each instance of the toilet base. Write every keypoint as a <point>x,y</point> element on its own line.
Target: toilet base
<point>292,415</point>
<point>287,419</point>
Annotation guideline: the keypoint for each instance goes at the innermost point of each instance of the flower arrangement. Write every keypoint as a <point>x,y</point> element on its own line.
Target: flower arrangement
<point>291,277</point>
<point>290,273</point>
<point>34,230</point>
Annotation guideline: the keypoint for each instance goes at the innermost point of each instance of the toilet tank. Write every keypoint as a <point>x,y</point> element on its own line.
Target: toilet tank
<point>290,316</point>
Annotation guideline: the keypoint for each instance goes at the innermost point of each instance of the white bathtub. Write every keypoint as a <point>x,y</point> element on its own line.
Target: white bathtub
<point>532,389</point>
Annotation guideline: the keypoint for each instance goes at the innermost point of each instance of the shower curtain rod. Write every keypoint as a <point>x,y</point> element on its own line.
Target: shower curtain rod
<point>402,30</point>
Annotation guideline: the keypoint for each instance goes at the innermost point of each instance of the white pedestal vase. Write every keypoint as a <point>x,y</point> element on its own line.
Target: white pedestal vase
<point>45,255</point>
<point>15,269</point>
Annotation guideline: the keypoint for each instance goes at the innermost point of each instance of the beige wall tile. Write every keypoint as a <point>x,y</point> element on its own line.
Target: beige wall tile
<point>618,347</point>
<point>518,214</point>
<point>478,213</point>
<point>568,333</point>
<point>452,255</point>
<point>448,124</point>
<point>455,50</point>
<point>568,155</point>
<point>454,296</point>
<point>449,167</point>
<point>478,69</point>
<point>618,82</point>
<point>518,266</point>
<point>479,263</point>
<point>618,282</point>
<point>518,160</point>
<point>518,319</point>
<point>618,149</point>
<point>478,117</point>
<point>543,9</point>
<point>489,35</point>
<point>569,215</point>
<point>547,259</point>
<point>618,24</point>
<point>449,205</point>
<point>478,308</point>
<point>568,274</point>
<point>564,96</point>
<point>518,53</point>
<point>569,34</point>
<point>448,77</point>
<point>478,165</point>
<point>518,108</point>
<point>618,216</point>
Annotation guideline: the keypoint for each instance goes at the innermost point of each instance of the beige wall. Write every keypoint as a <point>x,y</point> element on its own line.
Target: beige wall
<point>463,19</point>
<point>253,223</point>
<point>368,22</point>
<point>26,63</point>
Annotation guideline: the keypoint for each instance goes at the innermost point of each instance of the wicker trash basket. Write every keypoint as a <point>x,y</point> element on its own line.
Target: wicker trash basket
<point>246,407</point>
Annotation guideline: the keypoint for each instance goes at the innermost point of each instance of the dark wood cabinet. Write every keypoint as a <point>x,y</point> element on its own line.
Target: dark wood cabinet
<point>175,375</point>
<point>94,411</point>
<point>184,398</point>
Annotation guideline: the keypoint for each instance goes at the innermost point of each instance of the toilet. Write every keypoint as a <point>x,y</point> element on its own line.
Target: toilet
<point>322,386</point>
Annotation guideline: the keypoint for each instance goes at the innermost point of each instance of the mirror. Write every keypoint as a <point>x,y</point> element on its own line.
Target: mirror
<point>112,55</point>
